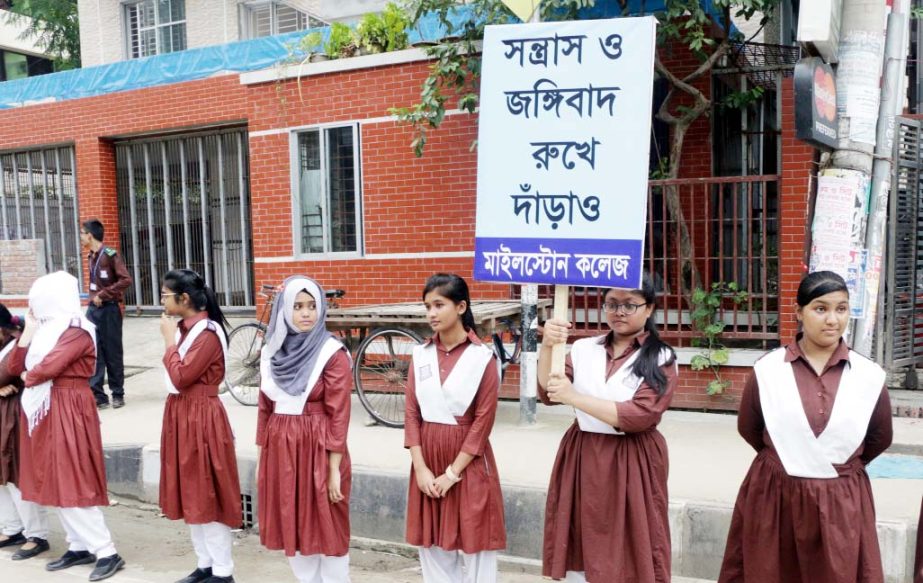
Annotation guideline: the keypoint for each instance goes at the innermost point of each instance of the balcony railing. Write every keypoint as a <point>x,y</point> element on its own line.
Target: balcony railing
<point>733,236</point>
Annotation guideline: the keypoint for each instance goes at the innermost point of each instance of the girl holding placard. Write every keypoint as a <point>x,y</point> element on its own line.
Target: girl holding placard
<point>454,503</point>
<point>606,516</point>
<point>304,471</point>
<point>816,413</point>
<point>198,466</point>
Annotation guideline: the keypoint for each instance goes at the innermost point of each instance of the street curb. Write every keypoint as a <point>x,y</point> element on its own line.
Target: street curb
<point>379,498</point>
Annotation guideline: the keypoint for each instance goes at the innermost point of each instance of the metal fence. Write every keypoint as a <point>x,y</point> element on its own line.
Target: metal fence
<point>900,331</point>
<point>728,232</point>
<point>38,200</point>
<point>184,202</point>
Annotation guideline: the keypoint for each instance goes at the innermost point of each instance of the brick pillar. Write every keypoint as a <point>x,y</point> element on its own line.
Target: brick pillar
<point>97,196</point>
<point>794,194</point>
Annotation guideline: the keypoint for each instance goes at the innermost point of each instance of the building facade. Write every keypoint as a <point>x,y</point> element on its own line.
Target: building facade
<point>118,30</point>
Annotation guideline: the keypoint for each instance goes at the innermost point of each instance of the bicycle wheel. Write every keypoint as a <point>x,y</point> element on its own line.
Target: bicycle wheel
<point>382,363</point>
<point>242,374</point>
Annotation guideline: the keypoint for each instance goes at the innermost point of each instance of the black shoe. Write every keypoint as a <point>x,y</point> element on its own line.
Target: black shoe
<point>41,545</point>
<point>13,539</point>
<point>102,405</point>
<point>118,402</point>
<point>71,558</point>
<point>197,576</point>
<point>106,567</point>
<point>215,579</point>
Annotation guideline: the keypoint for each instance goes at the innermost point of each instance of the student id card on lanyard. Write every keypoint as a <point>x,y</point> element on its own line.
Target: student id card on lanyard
<point>94,269</point>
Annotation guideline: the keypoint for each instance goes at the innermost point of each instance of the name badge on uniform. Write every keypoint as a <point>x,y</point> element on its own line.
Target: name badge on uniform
<point>92,287</point>
<point>103,273</point>
<point>425,372</point>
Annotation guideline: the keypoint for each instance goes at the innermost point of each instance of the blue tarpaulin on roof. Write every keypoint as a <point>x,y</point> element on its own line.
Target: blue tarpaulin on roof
<point>250,55</point>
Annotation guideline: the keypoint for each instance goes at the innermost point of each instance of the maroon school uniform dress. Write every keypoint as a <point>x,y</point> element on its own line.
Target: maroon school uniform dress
<point>198,465</point>
<point>10,410</point>
<point>470,517</point>
<point>295,513</point>
<point>788,529</point>
<point>61,464</point>
<point>607,507</point>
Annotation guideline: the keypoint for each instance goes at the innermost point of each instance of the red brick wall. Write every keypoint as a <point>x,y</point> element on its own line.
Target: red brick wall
<point>410,205</point>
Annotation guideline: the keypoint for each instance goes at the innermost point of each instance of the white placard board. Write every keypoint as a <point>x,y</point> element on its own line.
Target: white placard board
<point>563,151</point>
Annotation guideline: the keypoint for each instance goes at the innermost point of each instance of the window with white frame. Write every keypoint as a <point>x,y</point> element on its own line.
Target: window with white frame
<point>155,27</point>
<point>266,18</point>
<point>328,213</point>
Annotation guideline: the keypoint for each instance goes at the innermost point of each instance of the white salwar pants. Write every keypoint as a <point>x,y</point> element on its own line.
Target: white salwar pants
<point>212,543</point>
<point>441,566</point>
<point>18,515</point>
<point>575,577</point>
<point>320,568</point>
<point>86,531</point>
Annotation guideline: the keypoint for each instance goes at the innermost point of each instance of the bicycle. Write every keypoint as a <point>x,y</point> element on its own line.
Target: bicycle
<point>242,374</point>
<point>381,362</point>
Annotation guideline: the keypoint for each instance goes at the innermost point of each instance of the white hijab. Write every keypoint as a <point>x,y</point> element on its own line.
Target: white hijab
<point>54,301</point>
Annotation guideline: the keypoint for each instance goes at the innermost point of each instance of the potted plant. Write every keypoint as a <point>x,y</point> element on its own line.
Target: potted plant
<point>311,45</point>
<point>384,32</point>
<point>341,42</point>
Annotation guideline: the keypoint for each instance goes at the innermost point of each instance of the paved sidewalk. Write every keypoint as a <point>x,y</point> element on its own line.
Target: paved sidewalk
<point>708,460</point>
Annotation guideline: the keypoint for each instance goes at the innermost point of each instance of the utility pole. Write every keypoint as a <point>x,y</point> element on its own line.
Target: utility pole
<point>846,183</point>
<point>528,357</point>
<point>892,103</point>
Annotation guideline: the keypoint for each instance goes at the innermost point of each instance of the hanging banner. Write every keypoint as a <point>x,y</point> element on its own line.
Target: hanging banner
<point>564,134</point>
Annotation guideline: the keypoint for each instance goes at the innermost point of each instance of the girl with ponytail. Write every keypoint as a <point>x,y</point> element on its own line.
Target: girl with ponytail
<point>606,515</point>
<point>198,466</point>
<point>454,503</point>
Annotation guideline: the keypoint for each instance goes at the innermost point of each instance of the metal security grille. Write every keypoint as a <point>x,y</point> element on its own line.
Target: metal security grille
<point>38,200</point>
<point>902,327</point>
<point>184,202</point>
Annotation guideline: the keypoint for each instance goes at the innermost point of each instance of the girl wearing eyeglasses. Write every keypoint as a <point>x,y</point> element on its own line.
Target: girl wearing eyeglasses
<point>816,413</point>
<point>606,515</point>
<point>198,466</point>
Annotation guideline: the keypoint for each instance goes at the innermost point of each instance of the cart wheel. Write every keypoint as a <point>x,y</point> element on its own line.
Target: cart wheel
<point>242,375</point>
<point>382,363</point>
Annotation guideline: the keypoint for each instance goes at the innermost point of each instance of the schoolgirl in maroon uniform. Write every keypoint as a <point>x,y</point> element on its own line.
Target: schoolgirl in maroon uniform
<point>454,503</point>
<point>22,523</point>
<point>606,518</point>
<point>816,413</point>
<point>304,477</point>
<point>198,465</point>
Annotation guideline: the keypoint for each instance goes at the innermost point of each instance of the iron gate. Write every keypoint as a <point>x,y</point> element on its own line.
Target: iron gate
<point>38,200</point>
<point>902,326</point>
<point>184,202</point>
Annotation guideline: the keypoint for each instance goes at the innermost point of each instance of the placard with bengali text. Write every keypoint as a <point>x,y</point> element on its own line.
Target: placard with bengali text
<point>563,150</point>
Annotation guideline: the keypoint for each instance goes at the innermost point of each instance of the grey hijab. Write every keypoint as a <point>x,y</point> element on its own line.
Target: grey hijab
<point>293,354</point>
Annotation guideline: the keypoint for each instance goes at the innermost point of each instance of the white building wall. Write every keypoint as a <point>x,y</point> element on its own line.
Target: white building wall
<point>10,33</point>
<point>208,22</point>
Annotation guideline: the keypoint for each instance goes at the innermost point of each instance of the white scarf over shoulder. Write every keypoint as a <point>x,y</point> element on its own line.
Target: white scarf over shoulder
<point>589,359</point>
<point>54,301</point>
<point>803,454</point>
<point>183,347</point>
<point>286,404</point>
<point>443,402</point>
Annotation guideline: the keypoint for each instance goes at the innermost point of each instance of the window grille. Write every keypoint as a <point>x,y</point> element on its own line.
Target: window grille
<point>155,27</point>
<point>328,200</point>
<point>38,200</point>
<point>269,18</point>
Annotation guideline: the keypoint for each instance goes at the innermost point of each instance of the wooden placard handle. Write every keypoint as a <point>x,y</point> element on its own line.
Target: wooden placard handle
<point>561,301</point>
